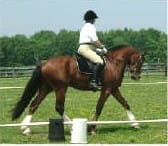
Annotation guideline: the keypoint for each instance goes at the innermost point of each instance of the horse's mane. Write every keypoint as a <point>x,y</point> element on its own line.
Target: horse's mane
<point>118,47</point>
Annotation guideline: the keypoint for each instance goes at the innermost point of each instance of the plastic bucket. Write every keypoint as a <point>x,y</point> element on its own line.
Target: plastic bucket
<point>56,130</point>
<point>79,131</point>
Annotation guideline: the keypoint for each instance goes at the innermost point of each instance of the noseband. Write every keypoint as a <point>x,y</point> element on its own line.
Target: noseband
<point>135,67</point>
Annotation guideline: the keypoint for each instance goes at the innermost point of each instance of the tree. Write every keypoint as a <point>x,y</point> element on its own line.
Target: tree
<point>12,50</point>
<point>20,50</point>
<point>67,42</point>
<point>42,45</point>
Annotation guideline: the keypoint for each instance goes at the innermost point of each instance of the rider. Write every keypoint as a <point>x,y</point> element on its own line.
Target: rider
<point>90,44</point>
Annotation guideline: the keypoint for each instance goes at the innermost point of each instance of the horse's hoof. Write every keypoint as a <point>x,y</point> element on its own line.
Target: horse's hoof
<point>23,128</point>
<point>27,132</point>
<point>93,132</point>
<point>135,125</point>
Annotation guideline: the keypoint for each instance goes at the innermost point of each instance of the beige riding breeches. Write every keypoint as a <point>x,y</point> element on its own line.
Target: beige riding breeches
<point>87,51</point>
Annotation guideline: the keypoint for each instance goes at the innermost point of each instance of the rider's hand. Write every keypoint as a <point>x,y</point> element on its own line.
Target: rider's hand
<point>104,50</point>
<point>98,50</point>
<point>101,51</point>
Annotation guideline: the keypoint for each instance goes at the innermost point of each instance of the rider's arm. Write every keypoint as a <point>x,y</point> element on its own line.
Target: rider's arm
<point>100,47</point>
<point>98,44</point>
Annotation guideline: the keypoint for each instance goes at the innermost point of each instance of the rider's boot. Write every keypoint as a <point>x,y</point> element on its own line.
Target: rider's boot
<point>94,81</point>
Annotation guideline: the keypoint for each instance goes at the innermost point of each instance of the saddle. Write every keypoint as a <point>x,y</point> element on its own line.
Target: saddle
<point>86,66</point>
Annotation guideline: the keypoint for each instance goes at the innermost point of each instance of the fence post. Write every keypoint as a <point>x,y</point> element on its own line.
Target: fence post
<point>13,72</point>
<point>166,70</point>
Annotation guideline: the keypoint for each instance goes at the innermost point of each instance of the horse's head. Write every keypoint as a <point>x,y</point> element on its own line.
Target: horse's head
<point>135,65</point>
<point>131,57</point>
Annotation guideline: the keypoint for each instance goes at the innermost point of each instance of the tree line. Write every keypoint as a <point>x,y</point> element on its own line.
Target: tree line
<point>20,50</point>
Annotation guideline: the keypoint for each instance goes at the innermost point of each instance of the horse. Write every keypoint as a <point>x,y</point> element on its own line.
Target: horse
<point>57,74</point>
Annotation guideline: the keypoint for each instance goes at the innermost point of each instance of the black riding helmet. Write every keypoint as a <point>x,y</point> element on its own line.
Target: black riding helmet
<point>90,15</point>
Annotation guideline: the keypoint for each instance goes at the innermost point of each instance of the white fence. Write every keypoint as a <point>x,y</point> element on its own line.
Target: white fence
<point>88,123</point>
<point>16,71</point>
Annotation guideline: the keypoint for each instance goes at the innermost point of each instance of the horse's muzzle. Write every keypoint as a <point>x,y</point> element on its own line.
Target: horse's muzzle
<point>135,76</point>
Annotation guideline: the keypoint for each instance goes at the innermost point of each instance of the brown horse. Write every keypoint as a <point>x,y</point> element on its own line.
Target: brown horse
<point>57,74</point>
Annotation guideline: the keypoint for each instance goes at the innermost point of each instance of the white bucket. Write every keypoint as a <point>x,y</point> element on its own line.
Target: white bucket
<point>79,131</point>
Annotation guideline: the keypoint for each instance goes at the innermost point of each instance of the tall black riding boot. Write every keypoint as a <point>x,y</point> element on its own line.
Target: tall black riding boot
<point>94,80</point>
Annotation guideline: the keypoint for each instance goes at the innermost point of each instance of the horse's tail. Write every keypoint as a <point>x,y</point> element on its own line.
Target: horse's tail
<point>30,90</point>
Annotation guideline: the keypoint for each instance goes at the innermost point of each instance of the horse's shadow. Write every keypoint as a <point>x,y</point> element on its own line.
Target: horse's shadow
<point>118,128</point>
<point>105,129</point>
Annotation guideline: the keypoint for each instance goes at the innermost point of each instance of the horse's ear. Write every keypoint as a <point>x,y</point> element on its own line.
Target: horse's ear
<point>144,53</point>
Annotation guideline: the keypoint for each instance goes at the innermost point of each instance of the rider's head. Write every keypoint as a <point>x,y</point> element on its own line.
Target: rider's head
<point>90,16</point>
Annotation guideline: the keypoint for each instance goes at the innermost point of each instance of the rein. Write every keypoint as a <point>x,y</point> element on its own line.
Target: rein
<point>137,63</point>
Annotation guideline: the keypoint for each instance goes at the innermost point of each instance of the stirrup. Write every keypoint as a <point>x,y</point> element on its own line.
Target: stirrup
<point>94,86</point>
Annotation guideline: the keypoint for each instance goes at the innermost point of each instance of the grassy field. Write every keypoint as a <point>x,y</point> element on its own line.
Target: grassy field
<point>146,101</point>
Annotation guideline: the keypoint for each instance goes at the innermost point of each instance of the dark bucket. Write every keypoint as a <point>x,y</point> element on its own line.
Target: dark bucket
<point>56,130</point>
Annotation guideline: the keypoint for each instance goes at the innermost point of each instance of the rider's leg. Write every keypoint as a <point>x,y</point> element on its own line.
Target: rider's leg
<point>87,52</point>
<point>94,80</point>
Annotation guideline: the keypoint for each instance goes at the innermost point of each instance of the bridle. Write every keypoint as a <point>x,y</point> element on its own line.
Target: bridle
<point>136,65</point>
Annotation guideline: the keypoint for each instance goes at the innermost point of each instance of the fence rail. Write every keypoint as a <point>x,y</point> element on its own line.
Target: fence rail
<point>147,69</point>
<point>88,122</point>
<point>16,71</point>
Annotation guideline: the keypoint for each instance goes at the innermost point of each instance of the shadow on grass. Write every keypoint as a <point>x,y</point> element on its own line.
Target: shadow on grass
<point>46,132</point>
<point>112,129</point>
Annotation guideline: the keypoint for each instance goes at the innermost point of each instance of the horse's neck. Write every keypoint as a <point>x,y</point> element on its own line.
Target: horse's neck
<point>118,67</point>
<point>121,67</point>
<point>125,55</point>
<point>119,72</point>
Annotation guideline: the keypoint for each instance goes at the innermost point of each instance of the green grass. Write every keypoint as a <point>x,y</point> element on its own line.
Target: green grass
<point>146,101</point>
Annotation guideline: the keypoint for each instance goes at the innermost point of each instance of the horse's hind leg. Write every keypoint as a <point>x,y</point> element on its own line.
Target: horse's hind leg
<point>117,95</point>
<point>43,91</point>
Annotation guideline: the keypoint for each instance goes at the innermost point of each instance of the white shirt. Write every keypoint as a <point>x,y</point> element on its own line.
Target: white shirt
<point>88,34</point>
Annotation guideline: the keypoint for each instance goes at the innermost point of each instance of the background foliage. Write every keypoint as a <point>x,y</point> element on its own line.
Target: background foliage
<point>20,50</point>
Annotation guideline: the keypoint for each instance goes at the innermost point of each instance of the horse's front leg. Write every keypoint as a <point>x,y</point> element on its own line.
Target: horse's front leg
<point>103,97</point>
<point>60,100</point>
<point>117,95</point>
